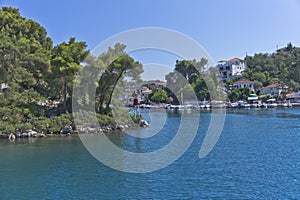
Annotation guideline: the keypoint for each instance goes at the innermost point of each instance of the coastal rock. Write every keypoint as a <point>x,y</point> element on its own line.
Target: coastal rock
<point>12,136</point>
<point>32,134</point>
<point>18,134</point>
<point>91,130</point>
<point>25,135</point>
<point>66,130</point>
<point>42,135</point>
<point>143,123</point>
<point>121,127</point>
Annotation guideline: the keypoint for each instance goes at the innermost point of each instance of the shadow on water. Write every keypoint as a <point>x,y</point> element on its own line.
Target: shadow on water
<point>265,113</point>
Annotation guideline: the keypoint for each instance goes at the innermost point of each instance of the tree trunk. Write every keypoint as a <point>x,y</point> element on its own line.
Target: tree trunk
<point>107,109</point>
<point>65,95</point>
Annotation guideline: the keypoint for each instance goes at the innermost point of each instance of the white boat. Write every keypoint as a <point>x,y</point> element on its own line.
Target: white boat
<point>218,104</point>
<point>207,106</point>
<point>242,104</point>
<point>271,103</point>
<point>253,101</point>
<point>252,97</point>
<point>174,107</point>
<point>202,106</point>
<point>256,104</point>
<point>188,106</point>
<point>287,104</point>
<point>233,105</point>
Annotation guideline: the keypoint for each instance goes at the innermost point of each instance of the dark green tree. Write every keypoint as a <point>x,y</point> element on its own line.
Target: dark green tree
<point>66,59</point>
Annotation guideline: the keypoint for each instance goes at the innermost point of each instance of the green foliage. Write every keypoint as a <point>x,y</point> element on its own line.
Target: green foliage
<point>239,94</point>
<point>117,65</point>
<point>39,75</point>
<point>188,79</point>
<point>159,95</point>
<point>282,66</point>
<point>66,59</point>
<point>25,51</point>
<point>136,118</point>
<point>235,95</point>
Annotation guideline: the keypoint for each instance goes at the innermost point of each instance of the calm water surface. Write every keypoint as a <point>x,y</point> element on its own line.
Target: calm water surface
<point>257,156</point>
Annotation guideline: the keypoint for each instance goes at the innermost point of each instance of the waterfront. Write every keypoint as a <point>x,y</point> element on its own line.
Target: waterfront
<point>257,156</point>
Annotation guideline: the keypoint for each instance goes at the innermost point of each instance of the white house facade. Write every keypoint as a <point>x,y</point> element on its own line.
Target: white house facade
<point>243,84</point>
<point>272,89</point>
<point>233,68</point>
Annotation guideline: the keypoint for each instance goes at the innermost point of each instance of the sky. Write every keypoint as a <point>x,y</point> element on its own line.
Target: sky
<point>225,29</point>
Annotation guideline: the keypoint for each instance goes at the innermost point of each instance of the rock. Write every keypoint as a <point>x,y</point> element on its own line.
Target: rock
<point>18,134</point>
<point>66,129</point>
<point>11,137</point>
<point>121,127</point>
<point>143,123</point>
<point>100,130</point>
<point>5,136</point>
<point>42,135</point>
<point>25,135</point>
<point>32,134</point>
<point>91,130</point>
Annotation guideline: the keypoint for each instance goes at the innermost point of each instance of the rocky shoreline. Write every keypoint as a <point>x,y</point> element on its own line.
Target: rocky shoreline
<point>68,130</point>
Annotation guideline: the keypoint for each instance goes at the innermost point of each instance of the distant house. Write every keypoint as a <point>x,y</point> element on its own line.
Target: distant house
<point>233,68</point>
<point>293,98</point>
<point>144,93</point>
<point>160,85</point>
<point>243,84</point>
<point>3,87</point>
<point>272,89</point>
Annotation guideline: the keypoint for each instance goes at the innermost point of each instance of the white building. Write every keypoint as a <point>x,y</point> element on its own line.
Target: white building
<point>3,87</point>
<point>233,68</point>
<point>243,84</point>
<point>272,89</point>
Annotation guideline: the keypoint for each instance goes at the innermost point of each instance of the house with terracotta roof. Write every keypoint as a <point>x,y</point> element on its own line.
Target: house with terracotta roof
<point>232,68</point>
<point>243,84</point>
<point>272,89</point>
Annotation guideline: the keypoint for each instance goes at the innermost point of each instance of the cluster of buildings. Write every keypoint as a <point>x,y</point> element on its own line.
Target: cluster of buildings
<point>142,94</point>
<point>235,68</point>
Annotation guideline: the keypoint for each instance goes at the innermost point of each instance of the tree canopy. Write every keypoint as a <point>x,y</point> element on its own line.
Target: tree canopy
<point>282,66</point>
<point>37,79</point>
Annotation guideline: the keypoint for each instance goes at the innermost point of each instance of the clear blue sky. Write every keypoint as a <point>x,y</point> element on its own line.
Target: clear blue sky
<point>226,29</point>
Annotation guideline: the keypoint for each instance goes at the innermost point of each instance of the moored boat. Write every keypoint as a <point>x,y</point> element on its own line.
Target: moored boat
<point>271,103</point>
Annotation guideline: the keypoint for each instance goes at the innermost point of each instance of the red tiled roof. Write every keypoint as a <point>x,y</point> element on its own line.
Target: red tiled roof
<point>242,81</point>
<point>235,60</point>
<point>272,86</point>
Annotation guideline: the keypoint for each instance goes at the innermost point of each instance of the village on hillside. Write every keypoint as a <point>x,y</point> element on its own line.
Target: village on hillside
<point>231,74</point>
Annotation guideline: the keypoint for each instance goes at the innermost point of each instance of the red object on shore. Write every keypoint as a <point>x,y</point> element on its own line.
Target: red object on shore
<point>135,102</point>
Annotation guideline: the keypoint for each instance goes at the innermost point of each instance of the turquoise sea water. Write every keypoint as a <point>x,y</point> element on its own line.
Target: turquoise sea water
<point>257,156</point>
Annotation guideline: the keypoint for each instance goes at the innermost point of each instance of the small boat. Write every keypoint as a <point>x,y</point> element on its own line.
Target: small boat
<point>242,104</point>
<point>256,104</point>
<point>207,106</point>
<point>253,101</point>
<point>287,104</point>
<point>188,106</point>
<point>174,107</point>
<point>233,105</point>
<point>252,97</point>
<point>218,104</point>
<point>271,103</point>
